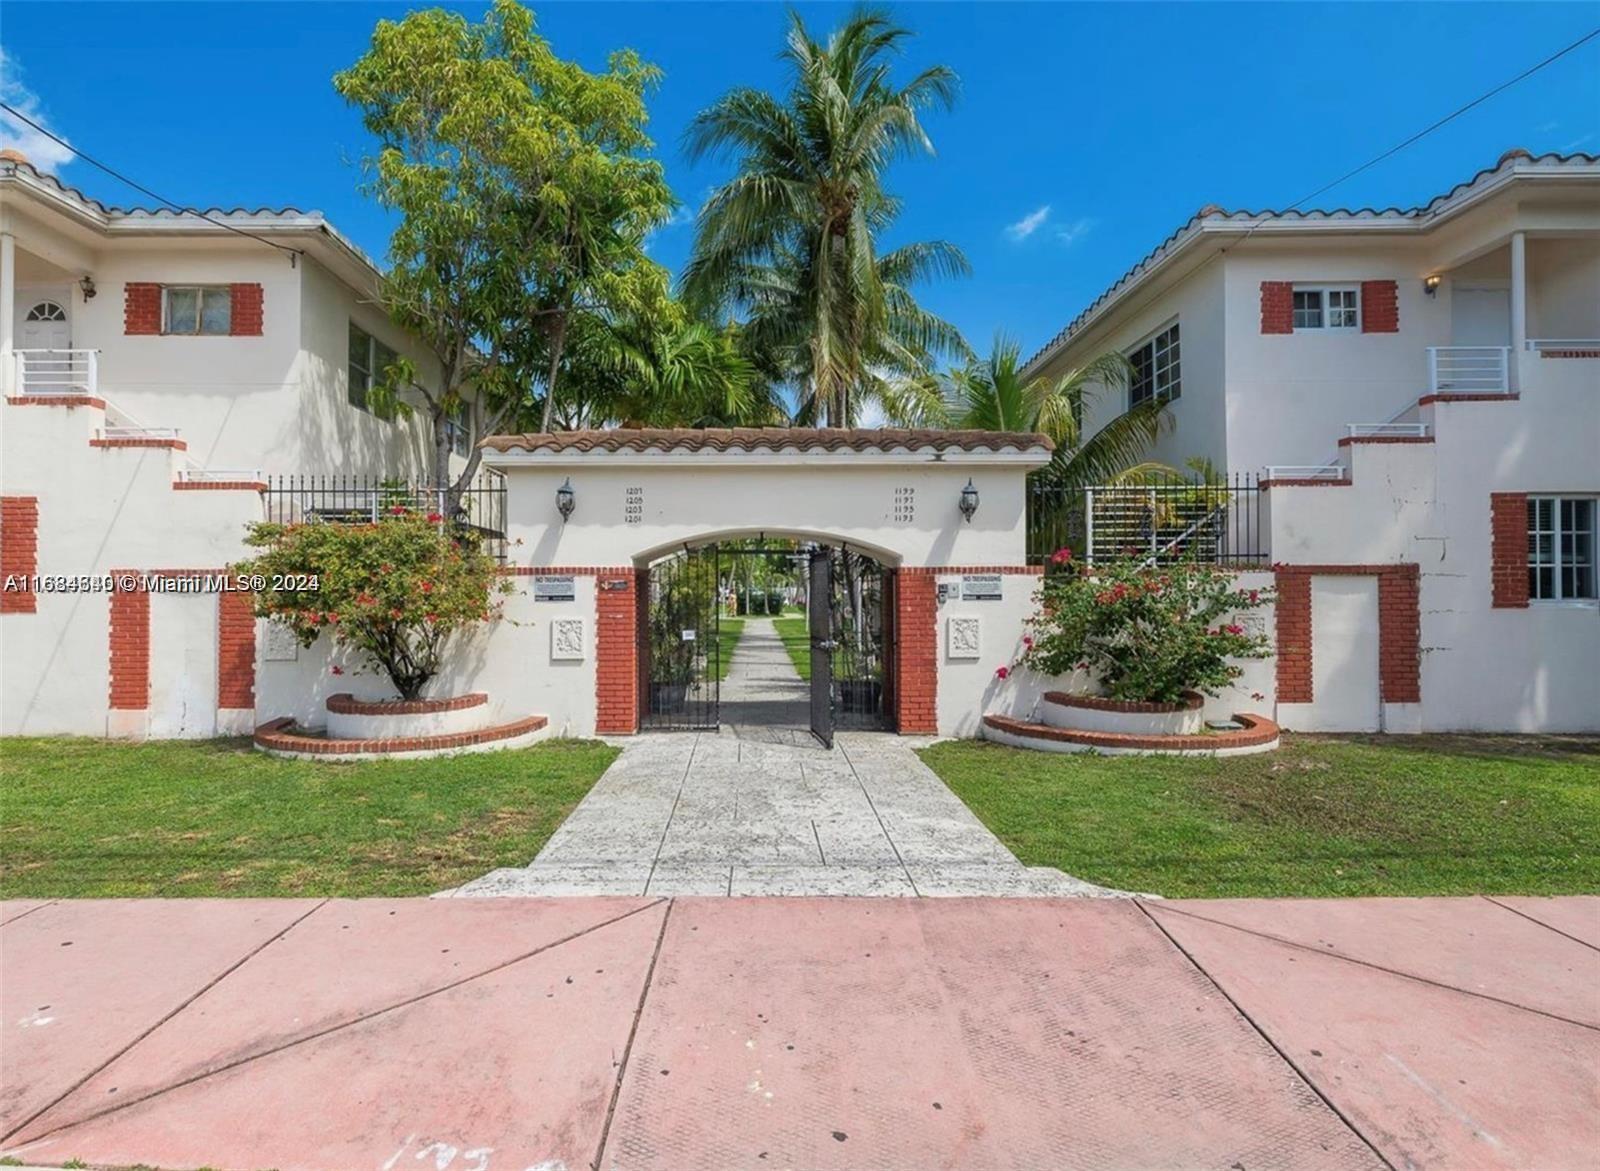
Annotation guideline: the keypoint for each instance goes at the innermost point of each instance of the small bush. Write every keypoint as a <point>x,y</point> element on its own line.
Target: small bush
<point>1147,633</point>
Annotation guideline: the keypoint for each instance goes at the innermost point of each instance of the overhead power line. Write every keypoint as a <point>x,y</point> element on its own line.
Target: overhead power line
<point>183,209</point>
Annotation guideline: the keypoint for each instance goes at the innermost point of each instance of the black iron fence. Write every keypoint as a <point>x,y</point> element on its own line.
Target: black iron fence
<point>355,499</point>
<point>1160,518</point>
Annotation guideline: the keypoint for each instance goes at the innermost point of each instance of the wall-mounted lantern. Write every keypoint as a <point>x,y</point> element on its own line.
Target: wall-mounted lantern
<point>87,285</point>
<point>1430,285</point>
<point>566,500</point>
<point>969,501</point>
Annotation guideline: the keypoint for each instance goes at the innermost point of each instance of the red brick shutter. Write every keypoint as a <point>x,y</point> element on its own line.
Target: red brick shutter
<point>1293,621</point>
<point>1277,307</point>
<point>1508,549</point>
<point>916,684</point>
<point>616,652</point>
<point>236,651</point>
<point>19,552</point>
<point>130,646</point>
<point>247,316</point>
<point>1380,307</point>
<point>141,307</point>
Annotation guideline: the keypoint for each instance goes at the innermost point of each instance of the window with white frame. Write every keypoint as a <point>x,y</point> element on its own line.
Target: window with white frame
<point>1327,307</point>
<point>458,426</point>
<point>1157,373</point>
<point>205,310</point>
<point>1561,538</point>
<point>369,358</point>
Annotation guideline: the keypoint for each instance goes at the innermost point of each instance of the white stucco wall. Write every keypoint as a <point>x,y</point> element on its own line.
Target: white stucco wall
<point>102,510</point>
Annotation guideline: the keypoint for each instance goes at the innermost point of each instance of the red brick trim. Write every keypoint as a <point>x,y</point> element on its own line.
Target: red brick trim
<point>130,645</point>
<point>280,735</point>
<point>616,651</point>
<point>57,400</point>
<point>1399,628</point>
<point>141,308</point>
<point>218,486</point>
<point>245,312</point>
<point>942,570</point>
<point>916,650</point>
<point>236,651</point>
<point>1458,397</point>
<point>1277,306</point>
<point>1380,307</point>
<point>1569,353</point>
<point>346,704</point>
<point>1257,730</point>
<point>19,552</point>
<point>1353,440</point>
<point>1508,550</point>
<point>131,441</point>
<point>1191,702</point>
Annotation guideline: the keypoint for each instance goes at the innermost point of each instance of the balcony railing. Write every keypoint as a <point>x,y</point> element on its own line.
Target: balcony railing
<point>1578,345</point>
<point>1158,519</point>
<point>65,372</point>
<point>1469,369</point>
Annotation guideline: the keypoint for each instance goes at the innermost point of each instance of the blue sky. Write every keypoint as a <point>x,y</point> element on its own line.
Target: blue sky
<point>1085,133</point>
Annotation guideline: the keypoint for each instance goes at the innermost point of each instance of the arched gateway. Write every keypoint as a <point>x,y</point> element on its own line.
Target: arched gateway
<point>637,542</point>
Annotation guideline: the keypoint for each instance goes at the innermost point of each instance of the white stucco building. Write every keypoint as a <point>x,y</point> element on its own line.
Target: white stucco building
<point>1419,392</point>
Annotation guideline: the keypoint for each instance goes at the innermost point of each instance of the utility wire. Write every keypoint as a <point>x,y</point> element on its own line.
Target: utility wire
<point>118,175</point>
<point>1372,162</point>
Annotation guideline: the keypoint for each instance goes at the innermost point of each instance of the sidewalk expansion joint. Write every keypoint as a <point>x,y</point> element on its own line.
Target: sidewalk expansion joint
<point>1540,922</point>
<point>633,1031</point>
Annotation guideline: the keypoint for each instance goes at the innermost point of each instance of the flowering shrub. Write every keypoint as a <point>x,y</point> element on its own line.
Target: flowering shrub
<point>395,590</point>
<point>1148,634</point>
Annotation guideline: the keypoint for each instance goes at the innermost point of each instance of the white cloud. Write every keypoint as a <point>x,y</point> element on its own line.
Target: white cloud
<point>1070,234</point>
<point>1576,142</point>
<point>1028,224</point>
<point>42,152</point>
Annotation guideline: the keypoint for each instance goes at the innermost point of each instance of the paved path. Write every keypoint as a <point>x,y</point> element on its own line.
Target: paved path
<point>708,814</point>
<point>763,699</point>
<point>636,1034</point>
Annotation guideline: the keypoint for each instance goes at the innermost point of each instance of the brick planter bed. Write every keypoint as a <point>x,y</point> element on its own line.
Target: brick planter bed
<point>1123,717</point>
<point>350,718</point>
<point>1258,734</point>
<point>282,738</point>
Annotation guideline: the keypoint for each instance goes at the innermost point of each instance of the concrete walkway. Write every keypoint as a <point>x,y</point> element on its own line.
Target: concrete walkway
<point>673,1035</point>
<point>763,699</point>
<point>708,814</point>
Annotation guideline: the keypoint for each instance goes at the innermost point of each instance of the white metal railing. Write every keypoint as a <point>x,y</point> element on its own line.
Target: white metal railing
<point>1336,472</point>
<point>1469,369</point>
<point>1564,343</point>
<point>133,431</point>
<point>1387,430</point>
<point>46,372</point>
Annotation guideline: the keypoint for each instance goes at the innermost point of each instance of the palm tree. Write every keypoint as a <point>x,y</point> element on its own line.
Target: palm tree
<point>791,242</point>
<point>993,395</point>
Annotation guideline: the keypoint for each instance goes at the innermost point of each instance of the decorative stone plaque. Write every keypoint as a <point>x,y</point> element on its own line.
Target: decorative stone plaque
<point>278,643</point>
<point>566,640</point>
<point>963,637</point>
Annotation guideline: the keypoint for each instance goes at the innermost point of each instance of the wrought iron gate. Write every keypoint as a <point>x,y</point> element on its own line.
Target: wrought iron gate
<point>681,644</point>
<point>860,613</point>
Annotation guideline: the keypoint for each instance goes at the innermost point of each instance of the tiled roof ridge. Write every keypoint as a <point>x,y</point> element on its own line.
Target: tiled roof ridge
<point>769,439</point>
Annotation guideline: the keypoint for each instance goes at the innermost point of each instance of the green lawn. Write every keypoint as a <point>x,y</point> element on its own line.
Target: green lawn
<point>1321,816</point>
<point>729,632</point>
<point>82,818</point>
<point>797,641</point>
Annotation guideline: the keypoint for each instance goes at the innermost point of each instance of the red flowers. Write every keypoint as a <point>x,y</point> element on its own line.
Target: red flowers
<point>336,669</point>
<point>1027,641</point>
<point>435,517</point>
<point>1061,556</point>
<point>1001,672</point>
<point>427,587</point>
<point>398,510</point>
<point>1234,628</point>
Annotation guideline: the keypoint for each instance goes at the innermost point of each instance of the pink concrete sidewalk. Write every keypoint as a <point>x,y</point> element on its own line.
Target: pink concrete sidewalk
<point>509,1035</point>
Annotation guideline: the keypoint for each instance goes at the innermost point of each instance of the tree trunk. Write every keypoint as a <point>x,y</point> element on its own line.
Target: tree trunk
<point>558,340</point>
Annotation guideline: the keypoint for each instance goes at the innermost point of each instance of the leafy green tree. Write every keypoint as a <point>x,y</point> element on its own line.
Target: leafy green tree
<point>791,243</point>
<point>993,395</point>
<point>395,591</point>
<point>523,188</point>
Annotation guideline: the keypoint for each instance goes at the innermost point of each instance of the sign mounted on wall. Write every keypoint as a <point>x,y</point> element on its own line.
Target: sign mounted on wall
<point>548,588</point>
<point>981,587</point>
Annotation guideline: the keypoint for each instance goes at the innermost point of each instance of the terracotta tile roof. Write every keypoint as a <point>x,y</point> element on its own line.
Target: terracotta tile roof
<point>771,439</point>
<point>1518,160</point>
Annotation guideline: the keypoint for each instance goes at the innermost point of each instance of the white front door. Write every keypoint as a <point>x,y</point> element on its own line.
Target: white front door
<point>44,319</point>
<point>1344,655</point>
<point>1480,315</point>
